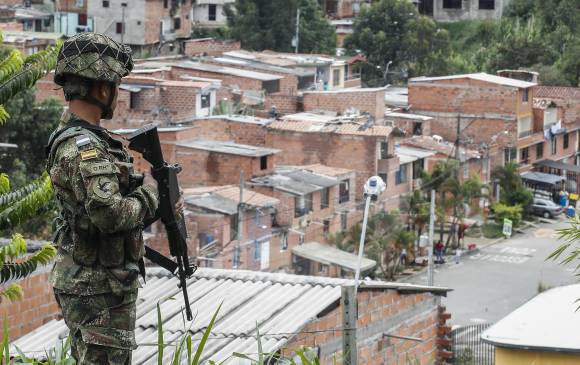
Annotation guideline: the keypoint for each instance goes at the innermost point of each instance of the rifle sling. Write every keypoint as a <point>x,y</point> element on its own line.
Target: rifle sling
<point>157,258</point>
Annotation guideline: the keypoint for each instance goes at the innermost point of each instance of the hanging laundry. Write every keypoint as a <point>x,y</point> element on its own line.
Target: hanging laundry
<point>547,134</point>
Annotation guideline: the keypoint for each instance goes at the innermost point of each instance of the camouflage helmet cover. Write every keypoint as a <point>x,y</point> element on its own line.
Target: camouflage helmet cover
<point>93,56</point>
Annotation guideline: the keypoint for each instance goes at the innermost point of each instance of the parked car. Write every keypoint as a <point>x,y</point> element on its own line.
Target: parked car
<point>546,208</point>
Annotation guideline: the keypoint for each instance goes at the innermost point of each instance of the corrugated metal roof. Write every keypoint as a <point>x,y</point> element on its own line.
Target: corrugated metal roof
<point>325,124</point>
<point>280,304</point>
<point>228,71</point>
<point>296,180</point>
<point>330,255</point>
<point>409,154</point>
<point>215,203</point>
<point>228,148</point>
<point>232,193</point>
<point>547,322</point>
<point>482,76</point>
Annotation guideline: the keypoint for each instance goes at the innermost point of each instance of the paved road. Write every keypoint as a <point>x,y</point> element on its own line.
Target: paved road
<point>492,283</point>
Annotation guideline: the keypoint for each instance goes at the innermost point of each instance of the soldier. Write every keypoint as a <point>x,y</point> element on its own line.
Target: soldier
<point>102,213</point>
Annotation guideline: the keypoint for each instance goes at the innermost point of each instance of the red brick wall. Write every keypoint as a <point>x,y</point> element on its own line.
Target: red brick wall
<point>350,152</point>
<point>14,26</point>
<point>227,130</point>
<point>372,101</point>
<point>227,80</point>
<point>285,104</point>
<point>419,318</point>
<point>37,307</point>
<point>70,6</point>
<point>210,47</point>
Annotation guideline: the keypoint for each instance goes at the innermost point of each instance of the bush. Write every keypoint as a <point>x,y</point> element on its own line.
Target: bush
<point>513,213</point>
<point>492,230</point>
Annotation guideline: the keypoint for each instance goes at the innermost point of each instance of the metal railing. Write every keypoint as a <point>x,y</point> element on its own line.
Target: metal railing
<point>469,349</point>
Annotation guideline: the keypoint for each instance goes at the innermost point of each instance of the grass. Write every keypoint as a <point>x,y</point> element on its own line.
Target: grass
<point>492,230</point>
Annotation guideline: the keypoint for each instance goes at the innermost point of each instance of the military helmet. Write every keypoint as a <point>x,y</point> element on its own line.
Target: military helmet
<point>93,56</point>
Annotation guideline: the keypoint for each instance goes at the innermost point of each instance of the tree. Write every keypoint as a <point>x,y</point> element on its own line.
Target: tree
<point>513,192</point>
<point>392,30</point>
<point>17,206</point>
<point>270,24</point>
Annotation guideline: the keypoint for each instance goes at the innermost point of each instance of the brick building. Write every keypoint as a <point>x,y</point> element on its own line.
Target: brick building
<point>487,110</point>
<point>14,16</point>
<point>344,142</point>
<point>209,47</point>
<point>29,43</point>
<point>209,13</point>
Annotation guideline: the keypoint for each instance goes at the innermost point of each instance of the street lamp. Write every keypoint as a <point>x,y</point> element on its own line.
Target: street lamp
<point>386,75</point>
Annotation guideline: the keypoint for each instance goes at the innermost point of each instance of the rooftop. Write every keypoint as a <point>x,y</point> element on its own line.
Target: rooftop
<point>280,304</point>
<point>347,90</point>
<point>482,76</point>
<point>548,322</point>
<point>326,170</point>
<point>316,123</point>
<point>199,66</point>
<point>415,117</point>
<point>409,154</point>
<point>295,180</point>
<point>281,59</point>
<point>263,66</point>
<point>230,148</point>
<point>330,255</point>
<point>446,148</point>
<point>225,199</point>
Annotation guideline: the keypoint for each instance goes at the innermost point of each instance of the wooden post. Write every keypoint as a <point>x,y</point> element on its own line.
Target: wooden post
<point>348,302</point>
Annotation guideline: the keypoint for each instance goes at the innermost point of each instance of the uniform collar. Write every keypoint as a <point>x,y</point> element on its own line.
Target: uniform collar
<point>74,119</point>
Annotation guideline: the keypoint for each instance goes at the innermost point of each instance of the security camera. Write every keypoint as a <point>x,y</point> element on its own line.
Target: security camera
<point>374,187</point>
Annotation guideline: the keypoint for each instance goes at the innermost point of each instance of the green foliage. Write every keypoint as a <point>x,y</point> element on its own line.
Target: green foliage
<point>492,230</point>
<point>15,265</point>
<point>25,203</point>
<point>513,213</point>
<point>270,24</point>
<point>568,253</point>
<point>513,191</point>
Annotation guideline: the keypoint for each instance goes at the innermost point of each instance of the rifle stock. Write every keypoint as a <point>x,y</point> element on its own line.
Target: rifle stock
<point>146,142</point>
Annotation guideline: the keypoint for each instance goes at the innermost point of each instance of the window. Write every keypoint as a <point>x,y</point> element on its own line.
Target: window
<point>83,19</point>
<point>509,155</point>
<point>105,3</point>
<point>165,4</point>
<point>343,221</point>
<point>525,95</point>
<point>212,12</point>
<point>418,168</point>
<point>401,175</point>
<point>272,86</point>
<point>79,3</point>
<point>205,101</point>
<point>486,4</point>
<point>451,4</point>
<point>525,155</point>
<point>257,250</point>
<point>119,28</point>
<point>176,23</point>
<point>302,205</point>
<point>257,217</point>
<point>417,129</point>
<point>344,191</point>
<point>566,140</point>
<point>133,100</point>
<point>553,146</point>
<point>384,150</point>
<point>284,241</point>
<point>233,226</point>
<point>325,227</point>
<point>263,162</point>
<point>335,77</point>
<point>550,117</point>
<point>236,259</point>
<point>383,177</point>
<point>539,150</point>
<point>324,198</point>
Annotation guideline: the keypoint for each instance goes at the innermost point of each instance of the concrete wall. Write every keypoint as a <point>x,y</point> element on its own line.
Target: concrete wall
<point>469,11</point>
<point>200,14</point>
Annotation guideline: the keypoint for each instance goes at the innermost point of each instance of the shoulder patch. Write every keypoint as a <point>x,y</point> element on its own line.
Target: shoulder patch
<point>88,154</point>
<point>83,142</point>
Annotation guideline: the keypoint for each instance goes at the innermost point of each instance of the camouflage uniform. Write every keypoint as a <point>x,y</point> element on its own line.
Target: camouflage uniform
<point>99,230</point>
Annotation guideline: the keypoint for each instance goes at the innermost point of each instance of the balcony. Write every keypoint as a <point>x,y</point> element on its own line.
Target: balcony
<point>388,164</point>
<point>524,134</point>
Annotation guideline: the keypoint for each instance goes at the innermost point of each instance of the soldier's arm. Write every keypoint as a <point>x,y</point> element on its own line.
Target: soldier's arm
<point>96,184</point>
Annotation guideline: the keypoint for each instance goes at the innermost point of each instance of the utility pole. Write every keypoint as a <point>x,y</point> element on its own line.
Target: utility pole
<point>457,150</point>
<point>240,222</point>
<point>297,39</point>
<point>362,243</point>
<point>430,271</point>
<point>348,303</point>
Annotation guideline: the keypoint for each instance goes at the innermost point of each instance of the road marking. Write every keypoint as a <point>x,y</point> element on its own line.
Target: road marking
<point>500,258</point>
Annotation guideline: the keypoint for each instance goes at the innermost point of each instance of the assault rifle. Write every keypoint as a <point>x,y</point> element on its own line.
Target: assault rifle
<point>146,142</point>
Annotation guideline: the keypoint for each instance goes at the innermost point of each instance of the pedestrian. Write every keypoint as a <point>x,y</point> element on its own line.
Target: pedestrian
<point>461,234</point>
<point>102,212</point>
<point>439,252</point>
<point>403,258</point>
<point>457,255</point>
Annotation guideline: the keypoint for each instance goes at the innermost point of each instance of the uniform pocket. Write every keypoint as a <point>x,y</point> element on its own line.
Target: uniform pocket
<point>112,250</point>
<point>85,240</point>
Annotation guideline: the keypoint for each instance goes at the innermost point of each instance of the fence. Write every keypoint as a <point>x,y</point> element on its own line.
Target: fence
<point>469,349</point>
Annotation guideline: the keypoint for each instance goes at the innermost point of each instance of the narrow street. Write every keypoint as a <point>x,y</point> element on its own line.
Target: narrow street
<point>493,282</point>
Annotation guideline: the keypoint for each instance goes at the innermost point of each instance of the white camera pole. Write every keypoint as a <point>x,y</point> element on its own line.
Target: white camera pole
<point>361,245</point>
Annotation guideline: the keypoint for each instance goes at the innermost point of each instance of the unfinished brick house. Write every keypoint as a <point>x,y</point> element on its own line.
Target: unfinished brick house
<point>344,142</point>
<point>487,110</point>
<point>369,101</point>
